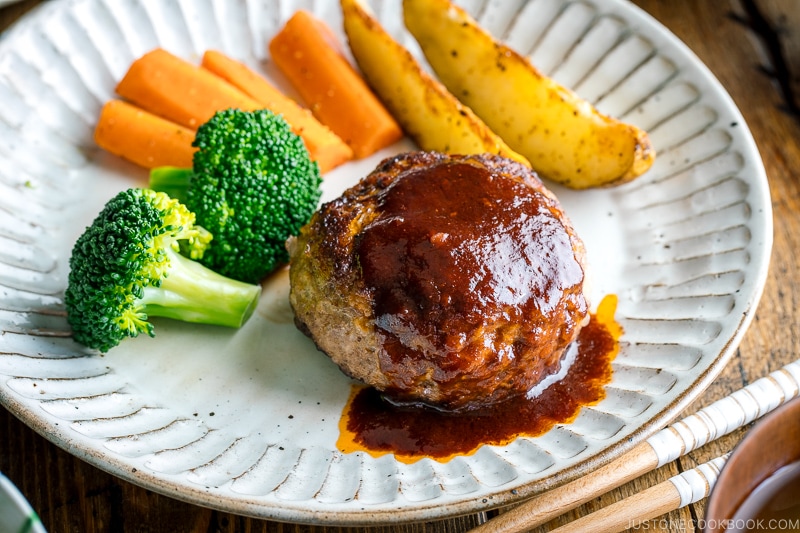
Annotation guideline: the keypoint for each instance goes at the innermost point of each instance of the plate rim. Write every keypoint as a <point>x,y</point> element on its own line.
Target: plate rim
<point>432,509</point>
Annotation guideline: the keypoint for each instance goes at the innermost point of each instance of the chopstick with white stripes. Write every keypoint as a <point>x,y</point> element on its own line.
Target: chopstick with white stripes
<point>677,492</point>
<point>713,421</point>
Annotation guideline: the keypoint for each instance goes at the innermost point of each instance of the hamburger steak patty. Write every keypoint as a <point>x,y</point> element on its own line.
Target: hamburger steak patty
<point>451,281</point>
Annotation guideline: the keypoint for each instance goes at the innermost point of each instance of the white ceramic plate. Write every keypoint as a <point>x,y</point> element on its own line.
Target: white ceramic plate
<point>246,421</point>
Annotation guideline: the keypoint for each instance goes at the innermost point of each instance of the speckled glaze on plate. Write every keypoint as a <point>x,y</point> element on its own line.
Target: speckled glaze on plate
<point>246,421</point>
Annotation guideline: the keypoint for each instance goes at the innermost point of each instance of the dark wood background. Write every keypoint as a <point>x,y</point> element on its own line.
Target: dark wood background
<point>752,47</point>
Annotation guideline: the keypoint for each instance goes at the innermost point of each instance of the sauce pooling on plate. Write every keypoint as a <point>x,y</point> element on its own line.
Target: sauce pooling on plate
<point>370,423</point>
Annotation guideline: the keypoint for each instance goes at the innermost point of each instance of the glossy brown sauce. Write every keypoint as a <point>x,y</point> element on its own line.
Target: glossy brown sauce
<point>370,423</point>
<point>458,253</point>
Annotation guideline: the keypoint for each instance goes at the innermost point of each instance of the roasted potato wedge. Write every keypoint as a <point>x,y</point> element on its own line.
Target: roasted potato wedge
<point>427,112</point>
<point>563,136</point>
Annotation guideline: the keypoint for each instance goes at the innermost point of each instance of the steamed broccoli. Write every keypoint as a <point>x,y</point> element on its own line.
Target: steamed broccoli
<point>252,185</point>
<point>131,264</point>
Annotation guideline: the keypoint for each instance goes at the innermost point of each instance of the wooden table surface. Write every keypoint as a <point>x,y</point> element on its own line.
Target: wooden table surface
<point>740,41</point>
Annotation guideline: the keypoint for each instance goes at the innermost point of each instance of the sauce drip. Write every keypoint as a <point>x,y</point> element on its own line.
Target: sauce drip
<point>370,423</point>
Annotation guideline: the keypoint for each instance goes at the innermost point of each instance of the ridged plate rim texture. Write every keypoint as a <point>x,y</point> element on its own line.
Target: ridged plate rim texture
<point>685,248</point>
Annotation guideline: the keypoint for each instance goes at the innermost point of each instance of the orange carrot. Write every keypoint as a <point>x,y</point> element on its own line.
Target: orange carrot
<point>177,90</point>
<point>307,53</point>
<point>143,138</point>
<point>324,146</point>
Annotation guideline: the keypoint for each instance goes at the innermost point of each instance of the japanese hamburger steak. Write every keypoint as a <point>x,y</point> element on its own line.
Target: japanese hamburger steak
<point>451,281</point>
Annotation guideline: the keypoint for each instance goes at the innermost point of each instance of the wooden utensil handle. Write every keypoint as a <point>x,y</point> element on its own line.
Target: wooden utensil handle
<point>727,414</point>
<point>679,491</point>
<point>558,501</point>
<point>711,422</point>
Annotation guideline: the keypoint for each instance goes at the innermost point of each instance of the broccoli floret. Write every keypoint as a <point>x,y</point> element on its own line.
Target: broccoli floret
<point>252,185</point>
<point>136,260</point>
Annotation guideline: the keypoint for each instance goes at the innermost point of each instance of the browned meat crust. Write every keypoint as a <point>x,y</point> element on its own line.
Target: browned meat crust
<point>453,281</point>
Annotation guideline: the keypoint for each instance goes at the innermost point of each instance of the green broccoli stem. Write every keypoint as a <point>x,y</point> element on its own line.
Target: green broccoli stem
<point>174,181</point>
<point>193,293</point>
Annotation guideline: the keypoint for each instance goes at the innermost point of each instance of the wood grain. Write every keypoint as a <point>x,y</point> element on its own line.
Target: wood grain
<point>72,496</point>
<point>779,28</point>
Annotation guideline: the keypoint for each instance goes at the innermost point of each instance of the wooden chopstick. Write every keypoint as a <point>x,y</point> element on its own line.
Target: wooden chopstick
<point>677,492</point>
<point>713,421</point>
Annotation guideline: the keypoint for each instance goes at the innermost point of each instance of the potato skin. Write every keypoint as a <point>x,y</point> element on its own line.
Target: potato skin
<point>563,136</point>
<point>428,113</point>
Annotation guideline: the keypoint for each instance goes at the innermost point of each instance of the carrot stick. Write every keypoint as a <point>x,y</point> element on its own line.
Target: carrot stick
<point>177,90</point>
<point>307,53</point>
<point>143,138</point>
<point>324,146</point>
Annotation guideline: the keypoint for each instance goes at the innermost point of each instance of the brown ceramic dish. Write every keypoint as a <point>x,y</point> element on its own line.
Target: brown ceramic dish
<point>772,444</point>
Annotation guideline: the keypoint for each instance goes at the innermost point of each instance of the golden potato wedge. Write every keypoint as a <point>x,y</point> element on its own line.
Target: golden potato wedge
<point>563,136</point>
<point>427,112</point>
